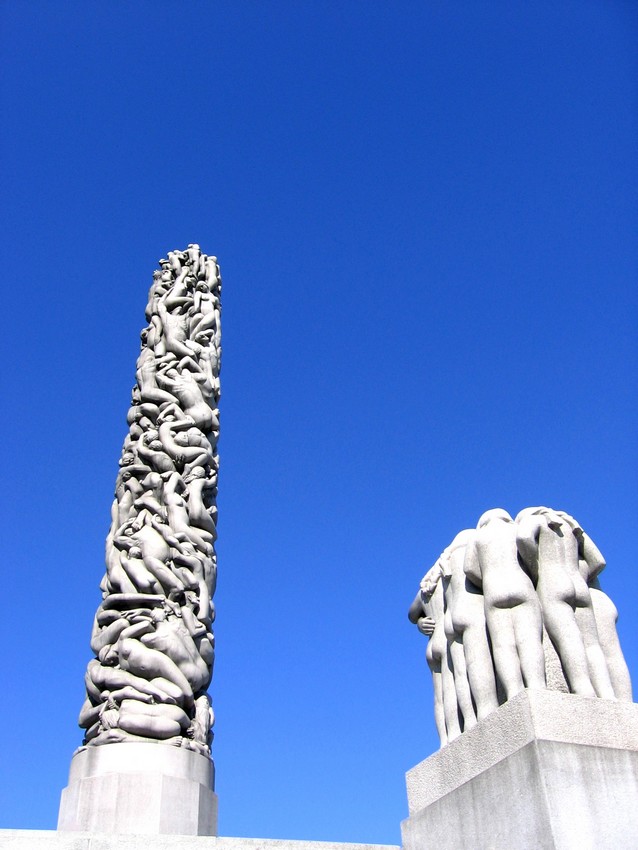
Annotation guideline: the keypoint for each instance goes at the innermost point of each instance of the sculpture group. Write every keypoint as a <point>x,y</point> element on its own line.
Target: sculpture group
<point>152,635</point>
<point>490,598</point>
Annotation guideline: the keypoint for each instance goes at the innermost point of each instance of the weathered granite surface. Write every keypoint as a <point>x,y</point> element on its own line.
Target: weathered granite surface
<point>516,604</point>
<point>546,770</point>
<point>140,788</point>
<point>146,687</point>
<point>24,839</point>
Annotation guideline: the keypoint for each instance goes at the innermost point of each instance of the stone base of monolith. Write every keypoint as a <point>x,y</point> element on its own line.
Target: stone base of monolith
<point>546,770</point>
<point>153,789</point>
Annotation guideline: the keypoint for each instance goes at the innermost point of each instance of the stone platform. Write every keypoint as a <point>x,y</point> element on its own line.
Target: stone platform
<point>142,788</point>
<point>546,771</point>
<point>27,839</point>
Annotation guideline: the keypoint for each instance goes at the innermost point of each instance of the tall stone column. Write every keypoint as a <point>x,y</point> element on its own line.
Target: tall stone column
<point>145,764</point>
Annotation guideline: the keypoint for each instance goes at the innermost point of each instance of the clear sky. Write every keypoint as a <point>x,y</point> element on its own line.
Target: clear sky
<point>425,215</point>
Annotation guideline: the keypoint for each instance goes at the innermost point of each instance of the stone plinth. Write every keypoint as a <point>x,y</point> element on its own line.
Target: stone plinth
<point>546,770</point>
<point>152,789</point>
<point>26,839</point>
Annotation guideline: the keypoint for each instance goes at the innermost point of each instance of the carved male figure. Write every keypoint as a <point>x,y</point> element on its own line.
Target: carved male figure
<point>512,609</point>
<point>427,612</point>
<point>551,548</point>
<point>466,632</point>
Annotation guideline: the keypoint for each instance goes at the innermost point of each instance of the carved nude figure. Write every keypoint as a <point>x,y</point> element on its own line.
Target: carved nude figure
<point>550,547</point>
<point>151,451</point>
<point>455,651</point>
<point>151,539</point>
<point>152,635</point>
<point>198,513</point>
<point>512,609</point>
<point>188,390</point>
<point>204,571</point>
<point>517,599</point>
<point>206,310</point>
<point>183,453</point>
<point>427,611</point>
<point>152,721</point>
<point>142,579</point>
<point>466,632</point>
<point>591,564</point>
<point>178,518</point>
<point>146,374</point>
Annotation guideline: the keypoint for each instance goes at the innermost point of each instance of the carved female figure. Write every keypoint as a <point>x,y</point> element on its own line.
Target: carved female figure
<point>512,609</point>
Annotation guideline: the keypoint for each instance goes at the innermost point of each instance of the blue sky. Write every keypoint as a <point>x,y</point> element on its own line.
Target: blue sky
<point>425,215</point>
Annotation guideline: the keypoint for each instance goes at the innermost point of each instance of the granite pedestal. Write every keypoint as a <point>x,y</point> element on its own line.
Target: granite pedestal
<point>27,839</point>
<point>546,771</point>
<point>32,839</point>
<point>144,788</point>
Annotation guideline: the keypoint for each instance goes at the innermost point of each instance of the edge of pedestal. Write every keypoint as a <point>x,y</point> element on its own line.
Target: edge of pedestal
<point>530,715</point>
<point>141,787</point>
<point>18,839</point>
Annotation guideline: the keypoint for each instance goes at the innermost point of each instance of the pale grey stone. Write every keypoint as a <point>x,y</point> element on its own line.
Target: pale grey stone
<point>427,612</point>
<point>550,544</point>
<point>40,839</point>
<point>522,608</point>
<point>546,770</point>
<point>47,840</point>
<point>152,634</point>
<point>548,794</point>
<point>606,615</point>
<point>466,633</point>
<point>531,715</point>
<point>512,609</point>
<point>139,788</point>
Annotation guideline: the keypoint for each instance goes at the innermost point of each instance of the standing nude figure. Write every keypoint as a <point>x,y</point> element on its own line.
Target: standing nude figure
<point>512,609</point>
<point>466,632</point>
<point>551,548</point>
<point>427,612</point>
<point>591,564</point>
<point>206,314</point>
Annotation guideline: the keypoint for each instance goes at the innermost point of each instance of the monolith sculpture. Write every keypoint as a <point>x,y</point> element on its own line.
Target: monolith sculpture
<point>145,763</point>
<point>532,696</point>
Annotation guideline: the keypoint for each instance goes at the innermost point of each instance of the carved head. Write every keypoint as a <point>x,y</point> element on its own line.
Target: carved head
<point>526,512</point>
<point>493,515</point>
<point>571,522</point>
